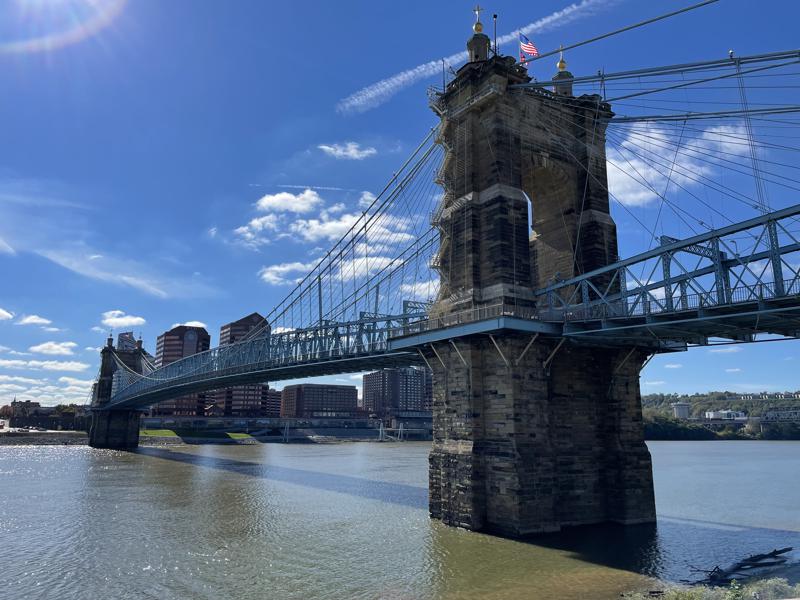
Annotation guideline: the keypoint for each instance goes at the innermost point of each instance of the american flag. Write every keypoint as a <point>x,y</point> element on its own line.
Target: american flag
<point>527,49</point>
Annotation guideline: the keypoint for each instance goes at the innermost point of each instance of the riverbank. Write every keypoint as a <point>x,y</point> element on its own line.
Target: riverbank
<point>167,437</point>
<point>44,438</point>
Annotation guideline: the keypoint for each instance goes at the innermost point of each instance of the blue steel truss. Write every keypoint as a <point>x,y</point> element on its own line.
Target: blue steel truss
<point>733,282</point>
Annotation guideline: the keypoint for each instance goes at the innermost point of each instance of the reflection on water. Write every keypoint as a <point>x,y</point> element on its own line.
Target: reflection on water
<point>350,521</point>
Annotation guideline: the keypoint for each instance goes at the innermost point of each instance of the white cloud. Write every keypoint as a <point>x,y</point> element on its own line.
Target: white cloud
<point>313,230</point>
<point>190,324</point>
<point>121,272</point>
<point>280,329</point>
<point>15,379</point>
<point>33,320</point>
<point>673,366</point>
<point>82,383</point>
<point>118,318</point>
<point>5,315</point>
<point>5,247</point>
<point>378,93</point>
<point>45,365</point>
<point>52,329</point>
<point>285,273</point>
<point>737,370</point>
<point>366,199</point>
<point>7,388</point>
<point>725,350</point>
<point>363,266</point>
<point>637,176</point>
<point>391,229</point>
<point>421,290</point>
<point>250,235</point>
<point>17,353</point>
<point>212,232</point>
<point>304,202</point>
<point>98,329</point>
<point>54,348</point>
<point>93,349</point>
<point>348,151</point>
<point>654,383</point>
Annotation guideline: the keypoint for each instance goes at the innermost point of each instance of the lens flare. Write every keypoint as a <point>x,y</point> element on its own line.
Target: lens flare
<point>101,13</point>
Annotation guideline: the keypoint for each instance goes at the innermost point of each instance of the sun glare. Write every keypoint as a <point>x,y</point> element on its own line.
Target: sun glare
<point>47,25</point>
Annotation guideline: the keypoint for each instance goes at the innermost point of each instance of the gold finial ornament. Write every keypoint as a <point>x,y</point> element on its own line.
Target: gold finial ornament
<point>561,64</point>
<point>478,26</point>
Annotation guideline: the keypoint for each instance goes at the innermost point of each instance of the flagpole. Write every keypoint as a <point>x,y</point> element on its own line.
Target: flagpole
<point>494,18</point>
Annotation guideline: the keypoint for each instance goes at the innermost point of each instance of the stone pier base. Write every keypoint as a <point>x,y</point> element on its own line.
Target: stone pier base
<point>114,429</point>
<point>521,449</point>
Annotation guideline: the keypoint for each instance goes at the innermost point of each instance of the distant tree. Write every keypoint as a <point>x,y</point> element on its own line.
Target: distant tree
<point>664,428</point>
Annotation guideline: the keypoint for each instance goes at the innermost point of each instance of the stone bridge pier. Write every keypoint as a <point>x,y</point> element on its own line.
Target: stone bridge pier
<point>116,429</point>
<point>531,434</point>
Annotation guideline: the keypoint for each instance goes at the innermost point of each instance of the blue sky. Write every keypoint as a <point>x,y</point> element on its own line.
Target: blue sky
<point>138,138</point>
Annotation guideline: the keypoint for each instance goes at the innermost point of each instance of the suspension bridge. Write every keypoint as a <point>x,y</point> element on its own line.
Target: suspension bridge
<point>492,258</point>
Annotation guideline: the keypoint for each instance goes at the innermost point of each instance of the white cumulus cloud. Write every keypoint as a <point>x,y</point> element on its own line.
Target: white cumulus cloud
<point>673,366</point>
<point>285,273</point>
<point>44,365</point>
<point>304,202</point>
<point>118,318</point>
<point>54,348</point>
<point>33,320</point>
<point>252,234</point>
<point>348,151</point>
<point>5,315</point>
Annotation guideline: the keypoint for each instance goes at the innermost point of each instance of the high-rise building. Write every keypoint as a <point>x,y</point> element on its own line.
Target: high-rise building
<point>273,407</point>
<point>177,343</point>
<point>312,400</point>
<point>404,389</point>
<point>126,341</point>
<point>244,400</point>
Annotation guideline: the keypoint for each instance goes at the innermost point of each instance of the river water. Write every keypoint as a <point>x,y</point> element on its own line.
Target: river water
<point>350,521</point>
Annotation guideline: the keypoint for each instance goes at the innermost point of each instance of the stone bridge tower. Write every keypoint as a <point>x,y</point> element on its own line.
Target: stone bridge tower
<point>113,428</point>
<point>530,434</point>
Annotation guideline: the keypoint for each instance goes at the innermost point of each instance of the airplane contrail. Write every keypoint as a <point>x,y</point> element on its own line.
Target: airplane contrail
<point>380,92</point>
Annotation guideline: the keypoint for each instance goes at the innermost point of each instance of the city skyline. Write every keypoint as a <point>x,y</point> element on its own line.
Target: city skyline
<point>193,183</point>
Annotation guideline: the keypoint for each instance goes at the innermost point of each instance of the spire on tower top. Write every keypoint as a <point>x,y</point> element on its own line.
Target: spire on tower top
<point>478,26</point>
<point>561,64</point>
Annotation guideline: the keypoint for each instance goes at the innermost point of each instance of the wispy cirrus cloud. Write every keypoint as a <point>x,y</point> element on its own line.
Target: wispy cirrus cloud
<point>5,248</point>
<point>382,91</point>
<point>725,350</point>
<point>42,217</point>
